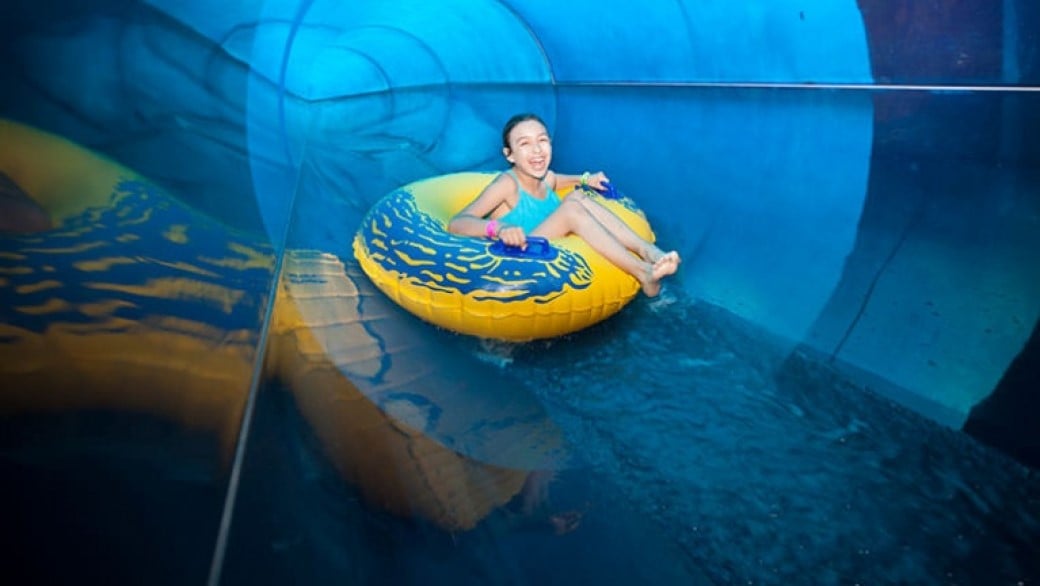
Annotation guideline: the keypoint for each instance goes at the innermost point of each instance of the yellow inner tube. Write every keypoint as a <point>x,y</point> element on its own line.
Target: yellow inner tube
<point>466,285</point>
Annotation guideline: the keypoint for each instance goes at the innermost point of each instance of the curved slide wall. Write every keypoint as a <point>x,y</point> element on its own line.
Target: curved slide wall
<point>384,93</point>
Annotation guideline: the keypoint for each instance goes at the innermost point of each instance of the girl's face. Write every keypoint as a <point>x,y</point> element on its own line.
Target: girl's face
<point>530,149</point>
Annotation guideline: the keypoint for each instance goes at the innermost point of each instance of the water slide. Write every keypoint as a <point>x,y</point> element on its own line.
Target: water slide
<point>748,132</point>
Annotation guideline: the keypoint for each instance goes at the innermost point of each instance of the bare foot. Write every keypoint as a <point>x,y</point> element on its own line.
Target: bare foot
<point>651,285</point>
<point>651,288</point>
<point>665,266</point>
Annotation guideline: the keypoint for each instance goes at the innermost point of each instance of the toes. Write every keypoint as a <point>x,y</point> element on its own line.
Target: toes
<point>663,269</point>
<point>671,257</point>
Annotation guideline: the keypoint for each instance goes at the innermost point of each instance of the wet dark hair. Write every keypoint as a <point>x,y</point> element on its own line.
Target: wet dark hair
<point>512,122</point>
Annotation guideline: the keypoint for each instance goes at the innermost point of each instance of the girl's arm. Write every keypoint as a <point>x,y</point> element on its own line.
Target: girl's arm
<point>471,220</point>
<point>562,183</point>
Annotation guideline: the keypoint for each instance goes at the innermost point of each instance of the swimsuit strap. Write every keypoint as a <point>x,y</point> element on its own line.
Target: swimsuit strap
<point>529,210</point>
<point>520,188</point>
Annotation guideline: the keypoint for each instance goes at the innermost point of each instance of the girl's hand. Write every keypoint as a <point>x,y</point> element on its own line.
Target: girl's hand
<point>512,235</point>
<point>597,180</point>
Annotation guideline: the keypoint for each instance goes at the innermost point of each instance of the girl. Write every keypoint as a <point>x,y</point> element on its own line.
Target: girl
<point>523,201</point>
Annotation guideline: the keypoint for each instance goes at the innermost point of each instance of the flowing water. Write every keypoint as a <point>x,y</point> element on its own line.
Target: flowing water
<point>769,468</point>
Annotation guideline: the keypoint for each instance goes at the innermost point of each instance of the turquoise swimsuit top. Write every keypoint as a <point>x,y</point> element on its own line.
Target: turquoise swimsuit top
<point>531,211</point>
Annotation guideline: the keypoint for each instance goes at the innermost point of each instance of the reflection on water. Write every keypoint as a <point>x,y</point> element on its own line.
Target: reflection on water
<point>408,422</point>
<point>297,522</point>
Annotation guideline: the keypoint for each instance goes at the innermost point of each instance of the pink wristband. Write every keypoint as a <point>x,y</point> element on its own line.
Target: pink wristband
<point>492,226</point>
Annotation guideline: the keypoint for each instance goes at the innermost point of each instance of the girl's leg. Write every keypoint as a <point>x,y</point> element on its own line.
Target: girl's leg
<point>634,242</point>
<point>573,217</point>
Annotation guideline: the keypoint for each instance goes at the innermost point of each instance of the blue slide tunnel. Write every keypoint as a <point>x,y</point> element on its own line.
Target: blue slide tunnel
<point>854,181</point>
